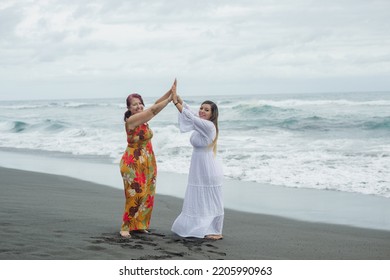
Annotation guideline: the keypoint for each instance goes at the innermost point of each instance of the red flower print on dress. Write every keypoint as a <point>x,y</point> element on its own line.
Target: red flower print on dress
<point>150,201</point>
<point>128,159</point>
<point>140,178</point>
<point>126,217</point>
<point>149,147</point>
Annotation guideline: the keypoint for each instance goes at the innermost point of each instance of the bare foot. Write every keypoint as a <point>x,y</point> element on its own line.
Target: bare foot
<point>214,236</point>
<point>125,234</point>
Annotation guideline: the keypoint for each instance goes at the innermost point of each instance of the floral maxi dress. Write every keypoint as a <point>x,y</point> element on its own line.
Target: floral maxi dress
<point>139,170</point>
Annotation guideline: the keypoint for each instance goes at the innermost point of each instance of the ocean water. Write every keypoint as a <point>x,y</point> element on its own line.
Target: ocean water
<point>338,141</point>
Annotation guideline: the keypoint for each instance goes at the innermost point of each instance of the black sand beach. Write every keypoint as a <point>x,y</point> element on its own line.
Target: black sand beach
<point>50,217</point>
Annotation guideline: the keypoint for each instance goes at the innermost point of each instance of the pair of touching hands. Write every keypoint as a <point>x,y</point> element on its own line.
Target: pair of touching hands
<point>174,97</point>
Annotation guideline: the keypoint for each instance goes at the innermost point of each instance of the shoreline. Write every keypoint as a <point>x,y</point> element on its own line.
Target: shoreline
<point>54,217</point>
<point>312,205</point>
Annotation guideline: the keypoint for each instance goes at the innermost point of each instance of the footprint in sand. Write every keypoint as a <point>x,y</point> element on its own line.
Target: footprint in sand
<point>158,241</point>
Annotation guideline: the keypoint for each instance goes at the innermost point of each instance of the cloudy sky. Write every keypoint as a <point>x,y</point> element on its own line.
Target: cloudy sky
<point>109,48</point>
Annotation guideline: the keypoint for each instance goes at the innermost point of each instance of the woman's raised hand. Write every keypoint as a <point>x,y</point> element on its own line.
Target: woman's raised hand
<point>176,99</point>
<point>173,91</point>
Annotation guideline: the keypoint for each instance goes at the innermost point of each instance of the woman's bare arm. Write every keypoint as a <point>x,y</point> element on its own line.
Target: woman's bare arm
<point>147,114</point>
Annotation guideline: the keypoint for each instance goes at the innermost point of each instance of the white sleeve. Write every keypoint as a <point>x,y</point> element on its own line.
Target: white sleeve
<point>185,124</point>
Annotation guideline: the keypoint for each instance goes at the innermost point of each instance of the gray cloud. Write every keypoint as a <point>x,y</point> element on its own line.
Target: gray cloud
<point>248,42</point>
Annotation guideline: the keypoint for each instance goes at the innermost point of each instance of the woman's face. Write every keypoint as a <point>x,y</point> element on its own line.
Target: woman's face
<point>205,111</point>
<point>136,106</point>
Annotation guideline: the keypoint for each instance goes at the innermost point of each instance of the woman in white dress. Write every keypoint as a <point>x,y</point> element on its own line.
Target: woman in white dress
<point>202,213</point>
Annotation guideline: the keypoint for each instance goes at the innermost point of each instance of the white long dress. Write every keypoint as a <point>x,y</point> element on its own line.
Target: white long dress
<point>202,213</point>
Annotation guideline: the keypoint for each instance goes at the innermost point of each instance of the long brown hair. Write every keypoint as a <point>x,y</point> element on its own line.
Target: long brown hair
<point>214,119</point>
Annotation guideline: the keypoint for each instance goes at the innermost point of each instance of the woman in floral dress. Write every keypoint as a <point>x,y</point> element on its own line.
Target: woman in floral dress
<point>138,164</point>
<point>203,212</point>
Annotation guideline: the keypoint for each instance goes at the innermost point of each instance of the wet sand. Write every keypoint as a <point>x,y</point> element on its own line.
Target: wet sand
<point>53,217</point>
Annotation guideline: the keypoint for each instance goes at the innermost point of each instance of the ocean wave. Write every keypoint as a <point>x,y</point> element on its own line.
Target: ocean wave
<point>23,127</point>
<point>293,108</point>
<point>377,124</point>
<point>293,103</point>
<point>60,104</point>
<point>23,107</point>
<point>259,109</point>
<point>19,126</point>
<point>326,144</point>
<point>243,116</point>
<point>83,105</point>
<point>52,125</point>
<point>312,123</point>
